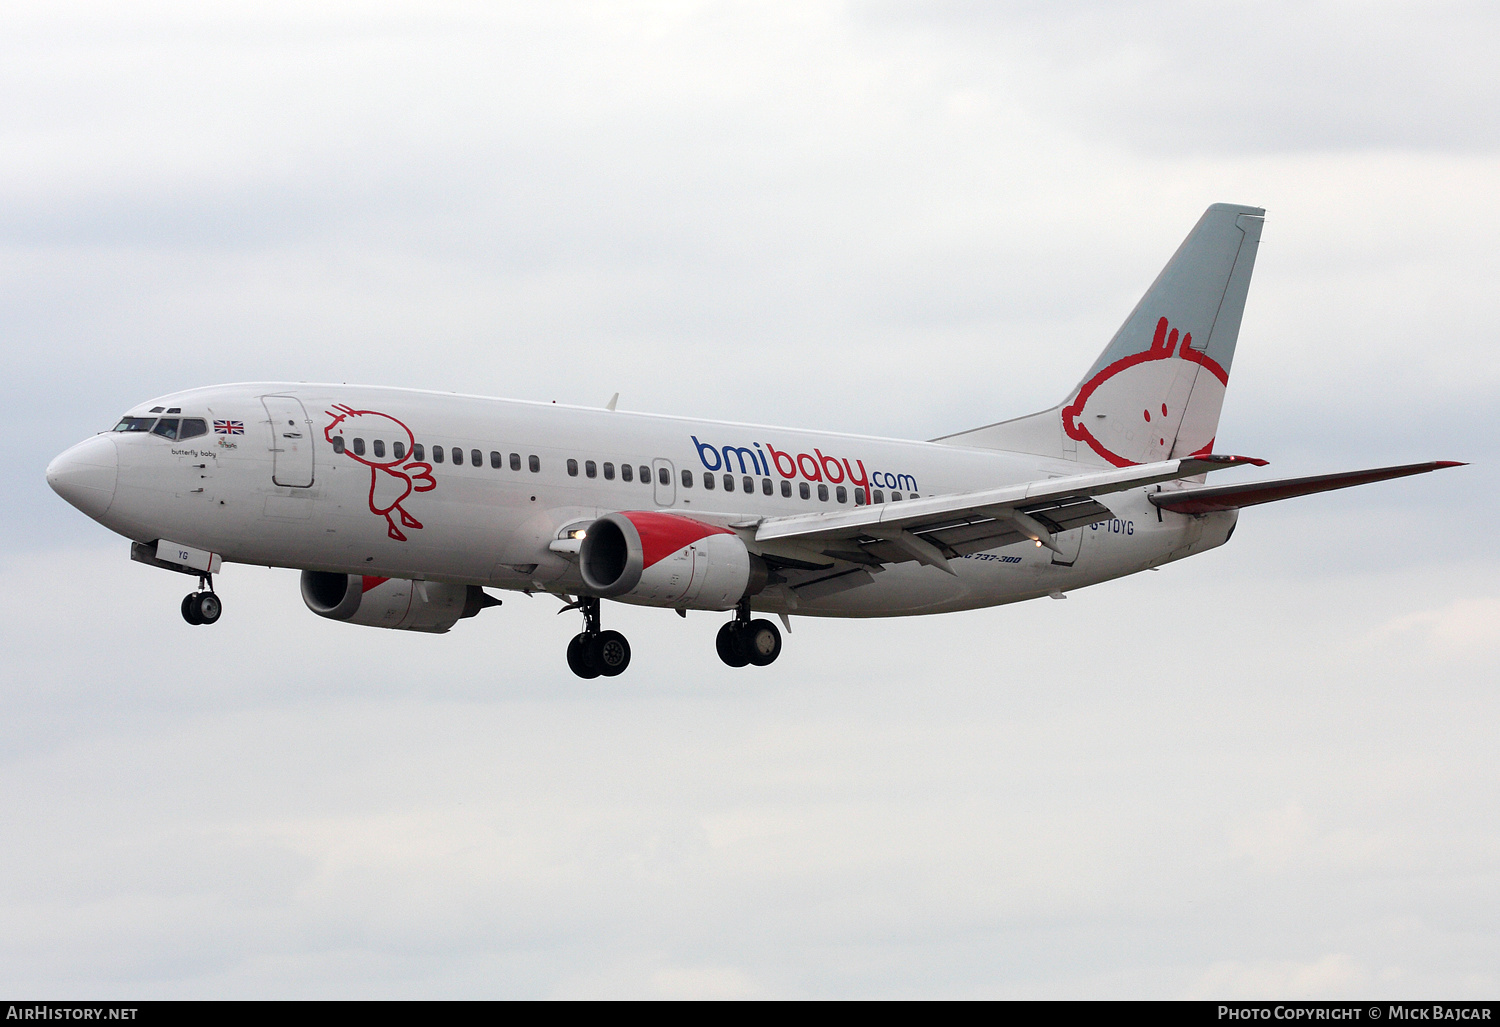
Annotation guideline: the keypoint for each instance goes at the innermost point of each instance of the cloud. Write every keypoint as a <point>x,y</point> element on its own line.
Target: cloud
<point>1465,628</point>
<point>1181,78</point>
<point>1332,976</point>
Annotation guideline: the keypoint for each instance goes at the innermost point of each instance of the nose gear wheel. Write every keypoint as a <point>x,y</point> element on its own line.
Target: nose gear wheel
<point>203,606</point>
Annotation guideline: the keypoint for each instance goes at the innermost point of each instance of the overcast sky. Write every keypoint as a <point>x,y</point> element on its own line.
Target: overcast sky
<point>1267,771</point>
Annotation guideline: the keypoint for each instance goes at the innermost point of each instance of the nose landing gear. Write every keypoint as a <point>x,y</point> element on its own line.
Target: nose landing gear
<point>744,641</point>
<point>202,606</point>
<point>593,652</point>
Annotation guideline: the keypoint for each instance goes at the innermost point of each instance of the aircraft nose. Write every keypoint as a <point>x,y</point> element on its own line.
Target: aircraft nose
<point>85,475</point>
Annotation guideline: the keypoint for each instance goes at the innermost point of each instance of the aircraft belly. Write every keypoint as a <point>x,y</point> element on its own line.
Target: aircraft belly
<point>907,589</point>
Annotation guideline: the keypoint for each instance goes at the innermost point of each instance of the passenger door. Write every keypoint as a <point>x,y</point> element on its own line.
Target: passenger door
<point>291,441</point>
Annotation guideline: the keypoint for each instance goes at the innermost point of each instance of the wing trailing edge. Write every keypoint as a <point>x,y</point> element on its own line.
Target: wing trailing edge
<point>936,529</point>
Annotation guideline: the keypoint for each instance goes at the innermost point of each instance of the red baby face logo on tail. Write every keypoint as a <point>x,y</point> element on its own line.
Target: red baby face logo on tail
<point>1134,410</point>
<point>363,436</point>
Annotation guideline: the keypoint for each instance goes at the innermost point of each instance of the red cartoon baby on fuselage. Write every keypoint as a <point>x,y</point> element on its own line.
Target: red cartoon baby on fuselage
<point>392,477</point>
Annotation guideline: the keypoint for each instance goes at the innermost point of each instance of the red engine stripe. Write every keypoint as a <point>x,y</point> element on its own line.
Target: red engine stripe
<point>663,534</point>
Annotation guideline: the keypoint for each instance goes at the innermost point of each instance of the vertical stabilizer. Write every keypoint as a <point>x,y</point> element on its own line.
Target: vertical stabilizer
<point>1156,391</point>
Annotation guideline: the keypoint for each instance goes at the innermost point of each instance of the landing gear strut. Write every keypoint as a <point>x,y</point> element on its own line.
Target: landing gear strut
<point>202,606</point>
<point>593,652</point>
<point>744,641</point>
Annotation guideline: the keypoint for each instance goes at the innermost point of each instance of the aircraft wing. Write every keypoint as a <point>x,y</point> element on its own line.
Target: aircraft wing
<point>1232,497</point>
<point>934,529</point>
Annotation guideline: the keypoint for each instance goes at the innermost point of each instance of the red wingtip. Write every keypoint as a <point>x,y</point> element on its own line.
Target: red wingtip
<point>1450,463</point>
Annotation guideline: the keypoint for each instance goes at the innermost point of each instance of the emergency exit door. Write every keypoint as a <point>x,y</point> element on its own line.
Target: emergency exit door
<point>664,482</point>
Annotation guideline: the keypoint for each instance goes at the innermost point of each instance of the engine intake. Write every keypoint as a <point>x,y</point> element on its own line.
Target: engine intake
<point>392,602</point>
<point>659,559</point>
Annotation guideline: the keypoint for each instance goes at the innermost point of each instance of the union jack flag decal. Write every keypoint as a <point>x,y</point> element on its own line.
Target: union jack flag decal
<point>229,427</point>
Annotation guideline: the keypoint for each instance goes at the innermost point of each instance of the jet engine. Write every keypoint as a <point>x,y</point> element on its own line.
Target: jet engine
<point>392,602</point>
<point>659,559</point>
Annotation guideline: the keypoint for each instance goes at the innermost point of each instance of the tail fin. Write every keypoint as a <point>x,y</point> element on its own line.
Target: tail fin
<point>1156,390</point>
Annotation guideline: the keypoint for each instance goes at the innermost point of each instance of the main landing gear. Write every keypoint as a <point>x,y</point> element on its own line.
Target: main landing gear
<point>202,606</point>
<point>744,641</point>
<point>593,652</point>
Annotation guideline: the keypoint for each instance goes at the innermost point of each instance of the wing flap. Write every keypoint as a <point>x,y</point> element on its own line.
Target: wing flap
<point>1233,497</point>
<point>938,528</point>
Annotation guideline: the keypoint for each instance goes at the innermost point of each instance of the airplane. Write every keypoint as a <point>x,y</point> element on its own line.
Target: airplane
<point>401,507</point>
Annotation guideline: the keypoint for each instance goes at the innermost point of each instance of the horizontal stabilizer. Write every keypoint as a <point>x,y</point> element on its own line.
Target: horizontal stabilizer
<point>1232,497</point>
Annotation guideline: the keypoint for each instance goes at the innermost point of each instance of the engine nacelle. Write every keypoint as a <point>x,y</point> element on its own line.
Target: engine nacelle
<point>661,559</point>
<point>391,602</point>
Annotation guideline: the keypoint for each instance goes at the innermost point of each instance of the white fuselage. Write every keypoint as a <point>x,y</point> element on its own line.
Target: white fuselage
<point>334,510</point>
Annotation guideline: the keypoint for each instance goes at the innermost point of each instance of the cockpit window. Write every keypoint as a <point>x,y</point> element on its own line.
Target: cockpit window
<point>166,428</point>
<point>135,424</point>
<point>192,427</point>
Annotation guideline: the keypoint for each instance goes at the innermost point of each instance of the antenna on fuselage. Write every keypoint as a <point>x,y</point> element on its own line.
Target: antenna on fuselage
<point>612,401</point>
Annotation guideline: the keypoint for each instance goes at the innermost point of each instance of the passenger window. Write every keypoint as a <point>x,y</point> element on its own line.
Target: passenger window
<point>765,485</point>
<point>458,456</point>
<point>646,475</point>
<point>437,453</point>
<point>879,496</point>
<point>135,424</point>
<point>496,460</point>
<point>687,478</point>
<point>895,497</point>
<point>398,450</point>
<point>534,462</point>
<point>804,490</point>
<point>476,458</point>
<point>166,428</point>
<point>379,445</point>
<point>192,427</point>
<point>627,473</point>
<point>859,497</point>
<point>728,483</point>
<point>708,480</point>
<point>359,447</point>
<point>572,468</point>
<point>609,471</point>
<point>822,493</point>
<point>749,484</point>
<point>515,461</point>
<point>591,469</point>
<point>842,494</point>
<point>786,489</point>
<point>419,452</point>
<point>338,443</point>
<point>665,477</point>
